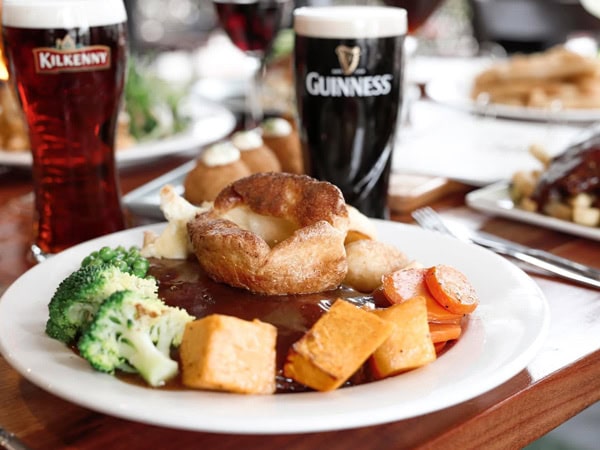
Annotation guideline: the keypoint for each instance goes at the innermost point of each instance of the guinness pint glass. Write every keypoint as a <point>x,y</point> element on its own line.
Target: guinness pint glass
<point>348,74</point>
<point>67,59</point>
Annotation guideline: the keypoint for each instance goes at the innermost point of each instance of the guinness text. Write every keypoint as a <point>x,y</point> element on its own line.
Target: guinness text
<point>335,86</point>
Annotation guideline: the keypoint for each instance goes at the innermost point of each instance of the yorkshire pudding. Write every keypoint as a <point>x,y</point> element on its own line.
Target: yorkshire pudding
<point>275,234</point>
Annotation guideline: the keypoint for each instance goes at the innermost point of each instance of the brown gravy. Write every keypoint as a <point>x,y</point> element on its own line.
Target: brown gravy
<point>184,284</point>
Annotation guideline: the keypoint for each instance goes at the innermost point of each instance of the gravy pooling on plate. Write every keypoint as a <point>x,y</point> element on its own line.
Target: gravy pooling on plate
<point>182,283</point>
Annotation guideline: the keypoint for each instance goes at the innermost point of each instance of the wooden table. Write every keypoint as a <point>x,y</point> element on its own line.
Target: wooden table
<point>561,381</point>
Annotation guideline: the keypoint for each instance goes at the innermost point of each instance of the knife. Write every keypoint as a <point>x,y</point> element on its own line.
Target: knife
<point>552,263</point>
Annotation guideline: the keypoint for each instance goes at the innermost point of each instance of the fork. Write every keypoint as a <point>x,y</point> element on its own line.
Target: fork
<point>9,441</point>
<point>428,219</point>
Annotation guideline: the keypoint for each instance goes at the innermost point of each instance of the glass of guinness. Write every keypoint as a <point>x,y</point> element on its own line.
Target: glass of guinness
<point>67,59</point>
<point>348,75</point>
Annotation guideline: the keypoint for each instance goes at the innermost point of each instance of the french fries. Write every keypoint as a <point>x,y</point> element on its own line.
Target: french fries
<point>555,79</point>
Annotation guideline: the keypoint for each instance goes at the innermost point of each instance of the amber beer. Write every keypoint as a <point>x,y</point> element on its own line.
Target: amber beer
<point>348,72</point>
<point>68,62</point>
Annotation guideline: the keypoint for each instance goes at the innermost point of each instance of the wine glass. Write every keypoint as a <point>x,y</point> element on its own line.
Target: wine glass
<point>417,11</point>
<point>252,26</point>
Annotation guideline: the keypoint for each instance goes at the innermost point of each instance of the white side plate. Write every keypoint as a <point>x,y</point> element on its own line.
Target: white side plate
<point>495,199</point>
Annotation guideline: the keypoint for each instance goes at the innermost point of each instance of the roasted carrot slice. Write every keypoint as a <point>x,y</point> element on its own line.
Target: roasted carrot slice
<point>442,332</point>
<point>437,314</point>
<point>455,319</point>
<point>451,289</point>
<point>405,284</point>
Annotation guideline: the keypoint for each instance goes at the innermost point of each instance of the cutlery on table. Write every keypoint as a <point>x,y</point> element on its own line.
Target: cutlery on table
<point>429,219</point>
<point>9,441</point>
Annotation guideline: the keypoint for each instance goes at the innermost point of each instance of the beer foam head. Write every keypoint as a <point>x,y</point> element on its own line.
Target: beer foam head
<point>350,22</point>
<point>44,14</point>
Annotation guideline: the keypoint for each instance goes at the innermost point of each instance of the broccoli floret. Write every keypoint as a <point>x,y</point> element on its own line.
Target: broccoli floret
<point>78,297</point>
<point>132,330</point>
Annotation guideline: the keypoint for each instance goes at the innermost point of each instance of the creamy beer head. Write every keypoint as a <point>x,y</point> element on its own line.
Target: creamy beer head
<point>350,22</point>
<point>46,14</point>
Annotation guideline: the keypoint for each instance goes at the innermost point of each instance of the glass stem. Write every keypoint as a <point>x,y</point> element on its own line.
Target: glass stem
<point>254,114</point>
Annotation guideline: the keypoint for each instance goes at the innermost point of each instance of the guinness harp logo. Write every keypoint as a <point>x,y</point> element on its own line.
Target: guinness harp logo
<point>349,57</point>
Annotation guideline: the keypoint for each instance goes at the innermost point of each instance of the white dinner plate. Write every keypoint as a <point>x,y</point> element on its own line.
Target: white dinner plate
<point>500,338</point>
<point>210,123</point>
<point>454,92</point>
<point>496,199</point>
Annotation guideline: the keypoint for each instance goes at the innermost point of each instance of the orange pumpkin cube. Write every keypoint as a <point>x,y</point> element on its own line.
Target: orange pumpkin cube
<point>226,353</point>
<point>336,346</point>
<point>410,345</point>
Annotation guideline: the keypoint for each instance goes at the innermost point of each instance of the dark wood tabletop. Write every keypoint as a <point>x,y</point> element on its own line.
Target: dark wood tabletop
<point>562,380</point>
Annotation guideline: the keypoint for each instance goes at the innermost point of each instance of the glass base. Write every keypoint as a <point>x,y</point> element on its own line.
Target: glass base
<point>38,254</point>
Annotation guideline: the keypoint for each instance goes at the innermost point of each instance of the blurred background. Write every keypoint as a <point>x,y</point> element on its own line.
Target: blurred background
<point>194,49</point>
<point>458,26</point>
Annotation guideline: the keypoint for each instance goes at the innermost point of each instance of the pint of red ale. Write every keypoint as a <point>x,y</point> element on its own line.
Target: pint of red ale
<point>67,59</point>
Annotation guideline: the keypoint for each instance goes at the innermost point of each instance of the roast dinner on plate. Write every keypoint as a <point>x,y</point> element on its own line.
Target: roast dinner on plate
<point>275,285</point>
<point>264,281</point>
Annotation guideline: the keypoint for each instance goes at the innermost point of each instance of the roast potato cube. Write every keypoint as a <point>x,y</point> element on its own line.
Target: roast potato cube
<point>336,346</point>
<point>225,353</point>
<point>369,260</point>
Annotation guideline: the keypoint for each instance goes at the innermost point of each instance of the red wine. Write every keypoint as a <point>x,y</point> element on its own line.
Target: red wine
<point>251,24</point>
<point>417,11</point>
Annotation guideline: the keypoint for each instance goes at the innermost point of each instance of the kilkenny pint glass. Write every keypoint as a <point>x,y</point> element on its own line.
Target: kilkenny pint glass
<point>67,59</point>
<point>348,75</point>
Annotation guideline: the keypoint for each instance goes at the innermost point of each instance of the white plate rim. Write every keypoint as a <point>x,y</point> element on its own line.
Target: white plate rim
<point>213,124</point>
<point>495,199</point>
<point>454,92</point>
<point>482,360</point>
